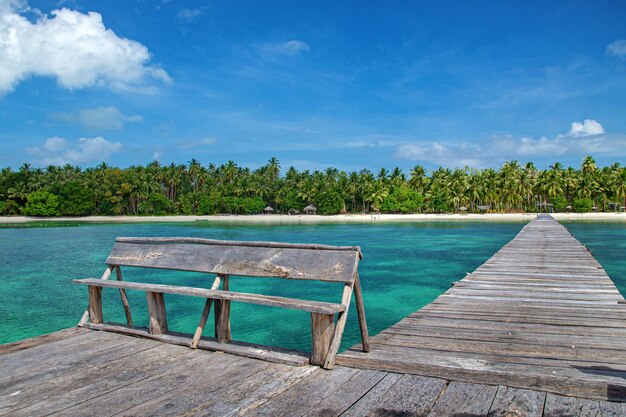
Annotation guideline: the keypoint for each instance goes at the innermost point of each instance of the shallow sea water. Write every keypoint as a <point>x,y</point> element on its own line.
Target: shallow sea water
<point>405,266</point>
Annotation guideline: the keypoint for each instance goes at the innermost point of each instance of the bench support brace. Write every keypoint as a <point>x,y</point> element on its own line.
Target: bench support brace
<point>341,324</point>
<point>205,314</point>
<point>129,317</point>
<point>360,309</point>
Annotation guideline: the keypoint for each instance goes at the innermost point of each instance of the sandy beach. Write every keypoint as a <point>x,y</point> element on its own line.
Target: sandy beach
<point>314,219</point>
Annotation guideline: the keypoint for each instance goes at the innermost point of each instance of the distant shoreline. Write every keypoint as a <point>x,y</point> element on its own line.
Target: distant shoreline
<point>315,219</point>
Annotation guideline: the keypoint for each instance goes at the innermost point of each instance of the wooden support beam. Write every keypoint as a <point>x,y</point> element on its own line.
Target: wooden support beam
<point>85,317</point>
<point>360,309</point>
<point>222,316</point>
<point>341,324</point>
<point>129,317</point>
<point>95,304</point>
<point>322,328</point>
<point>156,310</point>
<point>205,314</point>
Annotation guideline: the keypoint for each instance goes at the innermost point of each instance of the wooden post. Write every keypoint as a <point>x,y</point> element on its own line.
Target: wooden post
<point>205,314</point>
<point>85,317</point>
<point>322,327</point>
<point>360,309</point>
<point>222,316</point>
<point>341,324</point>
<point>156,310</point>
<point>129,318</point>
<point>95,304</point>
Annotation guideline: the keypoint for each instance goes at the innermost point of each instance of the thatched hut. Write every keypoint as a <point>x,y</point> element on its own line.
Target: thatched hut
<point>293,212</point>
<point>484,209</point>
<point>268,210</point>
<point>310,209</point>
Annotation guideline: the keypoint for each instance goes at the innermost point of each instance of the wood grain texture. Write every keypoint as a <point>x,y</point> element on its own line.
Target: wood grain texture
<point>333,265</point>
<point>95,304</point>
<point>86,372</point>
<point>541,313</point>
<point>222,316</point>
<point>292,303</point>
<point>156,312</point>
<point>322,328</point>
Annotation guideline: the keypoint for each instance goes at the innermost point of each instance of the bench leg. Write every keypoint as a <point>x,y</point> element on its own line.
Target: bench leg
<point>322,328</point>
<point>95,304</point>
<point>341,324</point>
<point>360,309</point>
<point>222,316</point>
<point>85,317</point>
<point>156,310</point>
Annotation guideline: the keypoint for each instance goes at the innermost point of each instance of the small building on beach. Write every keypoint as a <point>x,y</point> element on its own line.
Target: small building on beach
<point>310,209</point>
<point>268,210</point>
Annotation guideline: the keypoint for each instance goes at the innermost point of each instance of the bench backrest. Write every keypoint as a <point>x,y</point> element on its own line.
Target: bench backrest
<point>256,259</point>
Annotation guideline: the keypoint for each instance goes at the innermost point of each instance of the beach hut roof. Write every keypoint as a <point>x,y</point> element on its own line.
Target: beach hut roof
<point>310,207</point>
<point>463,208</point>
<point>268,208</point>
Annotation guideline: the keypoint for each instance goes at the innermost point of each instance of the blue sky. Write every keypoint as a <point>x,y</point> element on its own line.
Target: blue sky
<point>346,84</point>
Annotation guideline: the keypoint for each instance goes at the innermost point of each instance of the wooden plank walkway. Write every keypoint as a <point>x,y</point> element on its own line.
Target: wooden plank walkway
<point>540,314</point>
<point>81,372</point>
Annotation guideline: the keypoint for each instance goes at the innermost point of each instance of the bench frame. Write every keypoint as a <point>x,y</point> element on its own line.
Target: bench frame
<point>263,259</point>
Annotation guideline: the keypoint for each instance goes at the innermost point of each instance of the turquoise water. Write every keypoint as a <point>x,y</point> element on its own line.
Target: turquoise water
<point>405,266</point>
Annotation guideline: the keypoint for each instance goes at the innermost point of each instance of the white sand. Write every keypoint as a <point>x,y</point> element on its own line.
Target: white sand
<point>341,218</point>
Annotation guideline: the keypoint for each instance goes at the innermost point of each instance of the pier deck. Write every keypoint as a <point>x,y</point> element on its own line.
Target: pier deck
<point>539,319</point>
<point>80,372</point>
<point>541,314</point>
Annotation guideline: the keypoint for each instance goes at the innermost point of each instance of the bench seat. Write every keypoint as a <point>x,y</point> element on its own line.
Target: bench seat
<point>320,307</point>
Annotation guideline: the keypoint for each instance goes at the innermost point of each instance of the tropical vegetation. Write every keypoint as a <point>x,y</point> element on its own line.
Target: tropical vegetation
<point>194,188</point>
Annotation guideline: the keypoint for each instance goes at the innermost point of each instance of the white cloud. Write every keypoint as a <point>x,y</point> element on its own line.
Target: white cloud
<point>290,48</point>
<point>73,47</point>
<point>190,14</point>
<point>57,151</point>
<point>617,48</point>
<point>587,138</point>
<point>587,128</point>
<point>99,118</point>
<point>197,143</point>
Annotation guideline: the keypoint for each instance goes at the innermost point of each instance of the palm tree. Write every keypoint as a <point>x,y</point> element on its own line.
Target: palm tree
<point>273,168</point>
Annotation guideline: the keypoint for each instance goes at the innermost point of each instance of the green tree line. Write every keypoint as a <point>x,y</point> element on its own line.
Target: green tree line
<point>194,188</point>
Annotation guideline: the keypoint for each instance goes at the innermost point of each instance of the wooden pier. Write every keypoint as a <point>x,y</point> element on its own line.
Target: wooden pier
<point>541,314</point>
<point>536,331</point>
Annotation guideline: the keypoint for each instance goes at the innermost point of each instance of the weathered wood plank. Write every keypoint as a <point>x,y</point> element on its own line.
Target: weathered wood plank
<point>517,402</point>
<point>295,304</point>
<point>29,343</point>
<point>540,313</point>
<point>410,395</point>
<point>561,406</point>
<point>311,263</point>
<point>460,398</point>
<point>249,350</point>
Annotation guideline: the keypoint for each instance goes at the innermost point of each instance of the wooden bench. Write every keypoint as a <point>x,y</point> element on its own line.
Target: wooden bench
<point>338,264</point>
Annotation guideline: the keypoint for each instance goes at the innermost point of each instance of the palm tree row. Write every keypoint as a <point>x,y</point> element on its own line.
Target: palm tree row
<point>228,188</point>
